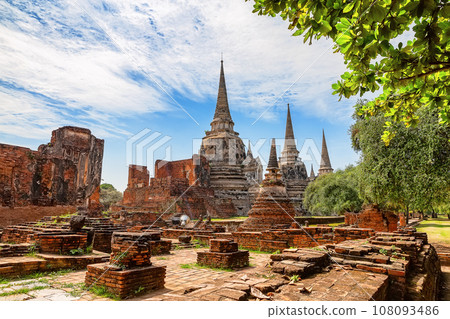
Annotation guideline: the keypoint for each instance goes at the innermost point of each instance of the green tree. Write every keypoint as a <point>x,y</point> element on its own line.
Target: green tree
<point>413,171</point>
<point>413,72</point>
<point>109,195</point>
<point>334,193</point>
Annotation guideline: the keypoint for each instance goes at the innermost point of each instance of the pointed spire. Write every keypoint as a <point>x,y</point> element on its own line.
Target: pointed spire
<point>289,131</point>
<point>289,154</point>
<point>311,174</point>
<point>325,164</point>
<point>249,150</point>
<point>222,109</point>
<point>273,162</point>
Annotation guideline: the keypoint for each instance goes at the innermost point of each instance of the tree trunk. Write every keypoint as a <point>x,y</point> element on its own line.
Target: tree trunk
<point>407,215</point>
<point>433,214</point>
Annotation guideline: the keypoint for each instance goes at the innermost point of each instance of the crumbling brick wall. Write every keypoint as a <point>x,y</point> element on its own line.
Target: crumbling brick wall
<point>178,187</point>
<point>196,170</point>
<point>66,171</point>
<point>374,218</point>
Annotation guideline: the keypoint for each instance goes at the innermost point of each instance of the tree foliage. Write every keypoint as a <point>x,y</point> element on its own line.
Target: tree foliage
<point>413,172</point>
<point>334,193</point>
<point>412,70</point>
<point>109,195</point>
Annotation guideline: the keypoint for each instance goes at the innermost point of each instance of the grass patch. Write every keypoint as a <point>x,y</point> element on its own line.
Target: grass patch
<point>227,219</point>
<point>21,291</point>
<point>270,276</point>
<point>36,275</point>
<point>329,225</point>
<point>255,251</point>
<point>197,266</point>
<point>76,289</point>
<point>102,291</point>
<point>198,244</point>
<point>162,258</point>
<point>438,230</point>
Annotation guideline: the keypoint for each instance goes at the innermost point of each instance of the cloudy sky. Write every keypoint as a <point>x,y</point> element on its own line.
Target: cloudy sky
<point>122,68</point>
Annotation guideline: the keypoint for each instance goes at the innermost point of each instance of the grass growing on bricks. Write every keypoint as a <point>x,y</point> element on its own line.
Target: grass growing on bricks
<point>102,291</point>
<point>21,291</point>
<point>197,266</point>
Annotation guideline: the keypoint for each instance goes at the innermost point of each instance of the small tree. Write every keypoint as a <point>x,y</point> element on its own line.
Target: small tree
<point>413,171</point>
<point>334,193</point>
<point>109,195</point>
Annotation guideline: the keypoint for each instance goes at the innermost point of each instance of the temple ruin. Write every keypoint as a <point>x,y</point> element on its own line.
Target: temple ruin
<point>224,179</point>
<point>64,172</point>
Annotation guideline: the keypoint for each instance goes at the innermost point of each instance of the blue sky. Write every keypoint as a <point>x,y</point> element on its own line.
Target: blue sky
<point>119,67</point>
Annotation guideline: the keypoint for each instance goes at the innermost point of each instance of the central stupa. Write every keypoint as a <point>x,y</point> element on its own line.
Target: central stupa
<point>226,154</point>
<point>272,208</point>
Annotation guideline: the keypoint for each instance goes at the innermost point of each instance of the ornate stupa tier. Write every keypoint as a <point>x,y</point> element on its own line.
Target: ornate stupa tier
<point>272,209</point>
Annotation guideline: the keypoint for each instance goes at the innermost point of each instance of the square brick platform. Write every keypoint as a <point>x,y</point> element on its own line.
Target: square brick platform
<point>223,253</point>
<point>125,283</point>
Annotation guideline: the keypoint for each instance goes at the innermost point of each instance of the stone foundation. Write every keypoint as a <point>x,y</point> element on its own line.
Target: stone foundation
<point>7,250</point>
<point>61,243</point>
<point>20,266</point>
<point>126,283</point>
<point>130,250</point>
<point>223,253</point>
<point>157,245</point>
<point>130,270</point>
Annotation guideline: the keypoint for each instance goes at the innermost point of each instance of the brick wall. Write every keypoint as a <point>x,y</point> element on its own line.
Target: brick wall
<point>374,218</point>
<point>178,187</point>
<point>273,240</point>
<point>66,171</point>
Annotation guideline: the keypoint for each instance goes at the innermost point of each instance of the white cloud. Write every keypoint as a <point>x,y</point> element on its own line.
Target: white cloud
<point>62,52</point>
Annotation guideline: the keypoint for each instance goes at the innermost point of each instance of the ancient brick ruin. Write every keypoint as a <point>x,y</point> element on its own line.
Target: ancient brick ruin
<point>129,270</point>
<point>66,171</point>
<point>178,187</point>
<point>223,180</point>
<point>223,253</point>
<point>272,207</point>
<point>374,218</point>
<point>386,258</point>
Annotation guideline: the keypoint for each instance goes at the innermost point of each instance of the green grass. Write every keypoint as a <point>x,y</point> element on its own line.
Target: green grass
<point>330,225</point>
<point>102,291</point>
<point>162,258</point>
<point>255,251</point>
<point>197,266</point>
<point>227,219</point>
<point>21,291</point>
<point>36,275</point>
<point>438,230</point>
<point>76,289</point>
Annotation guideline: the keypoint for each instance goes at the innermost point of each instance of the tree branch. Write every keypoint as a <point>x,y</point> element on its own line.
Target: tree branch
<point>426,73</point>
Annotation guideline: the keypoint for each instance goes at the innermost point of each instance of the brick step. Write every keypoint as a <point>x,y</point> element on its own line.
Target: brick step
<point>291,267</point>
